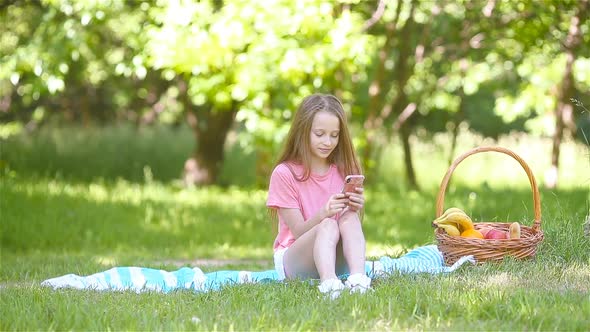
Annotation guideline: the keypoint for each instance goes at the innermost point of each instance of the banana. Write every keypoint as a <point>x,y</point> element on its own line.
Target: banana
<point>460,219</point>
<point>450,229</point>
<point>446,213</point>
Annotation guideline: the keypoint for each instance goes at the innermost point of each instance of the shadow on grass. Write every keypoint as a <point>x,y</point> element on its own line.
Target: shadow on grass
<point>158,223</point>
<point>38,221</point>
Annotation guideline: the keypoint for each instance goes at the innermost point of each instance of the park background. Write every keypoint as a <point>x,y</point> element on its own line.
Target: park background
<point>143,133</point>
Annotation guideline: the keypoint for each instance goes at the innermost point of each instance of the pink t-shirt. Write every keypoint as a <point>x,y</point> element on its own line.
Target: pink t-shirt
<point>309,196</point>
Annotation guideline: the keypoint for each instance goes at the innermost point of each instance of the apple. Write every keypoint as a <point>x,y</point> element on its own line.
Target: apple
<point>496,234</point>
<point>484,230</point>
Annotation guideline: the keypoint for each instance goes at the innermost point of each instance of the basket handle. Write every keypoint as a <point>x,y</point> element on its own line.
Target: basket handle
<point>536,197</point>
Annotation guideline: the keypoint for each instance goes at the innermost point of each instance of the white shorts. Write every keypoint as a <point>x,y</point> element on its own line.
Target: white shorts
<point>279,267</point>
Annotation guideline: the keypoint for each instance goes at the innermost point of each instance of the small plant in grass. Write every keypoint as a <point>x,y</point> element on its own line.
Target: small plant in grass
<point>579,104</point>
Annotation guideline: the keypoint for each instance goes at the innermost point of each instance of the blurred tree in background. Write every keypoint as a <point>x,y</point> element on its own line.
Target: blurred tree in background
<point>407,67</point>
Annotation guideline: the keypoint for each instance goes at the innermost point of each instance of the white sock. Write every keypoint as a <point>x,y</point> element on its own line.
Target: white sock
<point>332,287</point>
<point>358,282</point>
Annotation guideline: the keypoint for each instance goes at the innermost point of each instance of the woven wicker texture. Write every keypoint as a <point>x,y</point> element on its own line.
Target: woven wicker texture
<point>454,247</point>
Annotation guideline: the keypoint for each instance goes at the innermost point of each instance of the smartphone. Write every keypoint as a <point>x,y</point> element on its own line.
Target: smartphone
<point>351,182</point>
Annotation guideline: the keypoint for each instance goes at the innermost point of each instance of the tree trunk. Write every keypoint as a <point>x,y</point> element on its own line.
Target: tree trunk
<point>551,177</point>
<point>210,127</point>
<point>410,173</point>
<point>378,88</point>
<point>402,73</point>
<point>454,137</point>
<point>457,120</point>
<point>210,132</point>
<point>566,89</point>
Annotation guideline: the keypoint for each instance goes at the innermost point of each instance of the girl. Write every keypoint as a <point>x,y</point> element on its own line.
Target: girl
<point>320,233</point>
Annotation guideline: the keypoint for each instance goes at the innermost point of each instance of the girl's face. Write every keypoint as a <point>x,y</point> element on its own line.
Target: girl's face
<point>325,131</point>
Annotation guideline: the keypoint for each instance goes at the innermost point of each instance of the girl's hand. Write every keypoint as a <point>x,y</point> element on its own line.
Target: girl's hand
<point>337,203</point>
<point>356,200</point>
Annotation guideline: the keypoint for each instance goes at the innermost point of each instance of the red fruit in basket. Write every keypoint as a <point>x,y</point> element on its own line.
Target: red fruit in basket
<point>496,234</point>
<point>484,230</point>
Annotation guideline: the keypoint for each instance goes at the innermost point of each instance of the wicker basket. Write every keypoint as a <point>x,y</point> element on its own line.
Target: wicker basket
<point>454,247</point>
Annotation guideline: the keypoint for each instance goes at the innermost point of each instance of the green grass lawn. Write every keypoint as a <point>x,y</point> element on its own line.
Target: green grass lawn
<point>89,211</point>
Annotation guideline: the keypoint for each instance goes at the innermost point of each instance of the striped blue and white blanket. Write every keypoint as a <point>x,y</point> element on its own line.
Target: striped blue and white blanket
<point>426,259</point>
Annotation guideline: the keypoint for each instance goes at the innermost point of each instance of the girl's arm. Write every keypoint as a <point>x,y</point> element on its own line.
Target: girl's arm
<point>294,219</point>
<point>298,226</point>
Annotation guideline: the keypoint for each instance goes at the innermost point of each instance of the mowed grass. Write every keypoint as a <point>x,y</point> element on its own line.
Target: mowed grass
<point>57,220</point>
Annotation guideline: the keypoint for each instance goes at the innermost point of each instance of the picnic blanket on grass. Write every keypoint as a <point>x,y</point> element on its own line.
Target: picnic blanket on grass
<point>426,259</point>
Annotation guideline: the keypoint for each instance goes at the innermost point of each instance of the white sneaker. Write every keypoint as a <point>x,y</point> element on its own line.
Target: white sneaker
<point>358,283</point>
<point>332,288</point>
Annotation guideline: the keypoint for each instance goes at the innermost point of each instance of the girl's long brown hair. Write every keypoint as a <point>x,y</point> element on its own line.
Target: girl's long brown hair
<point>297,147</point>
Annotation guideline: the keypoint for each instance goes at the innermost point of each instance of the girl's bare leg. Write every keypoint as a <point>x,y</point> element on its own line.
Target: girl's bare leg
<point>353,242</point>
<point>314,253</point>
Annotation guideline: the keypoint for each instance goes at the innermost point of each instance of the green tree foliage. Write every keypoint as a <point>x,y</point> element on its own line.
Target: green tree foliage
<point>252,62</point>
<point>399,66</point>
<point>552,50</point>
<point>496,65</point>
<point>66,57</point>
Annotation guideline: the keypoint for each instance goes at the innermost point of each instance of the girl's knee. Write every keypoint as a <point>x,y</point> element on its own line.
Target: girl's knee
<point>328,229</point>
